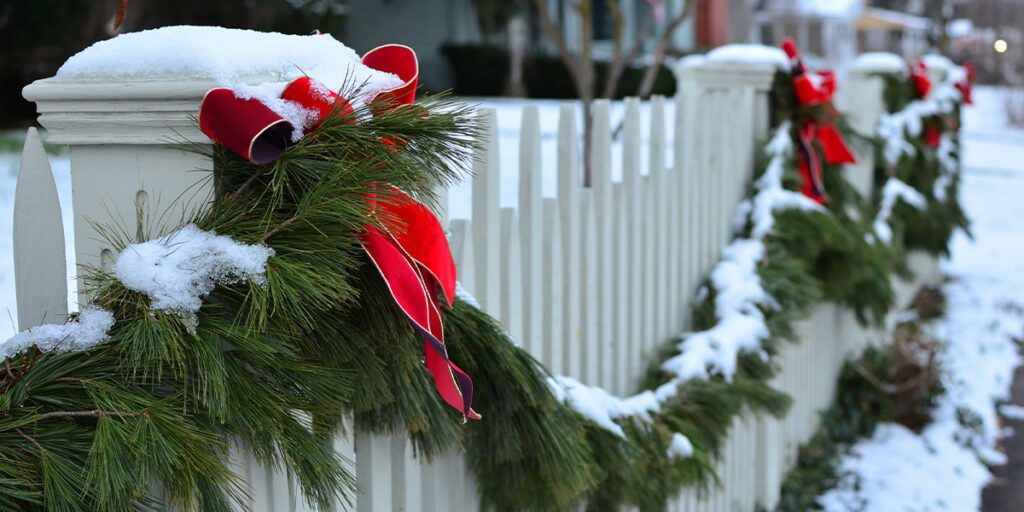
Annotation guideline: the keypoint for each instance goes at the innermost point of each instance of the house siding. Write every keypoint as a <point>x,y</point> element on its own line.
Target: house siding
<point>424,25</point>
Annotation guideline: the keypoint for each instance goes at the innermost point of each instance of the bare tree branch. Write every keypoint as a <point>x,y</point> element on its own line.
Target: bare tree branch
<point>618,59</point>
<point>556,38</point>
<point>651,73</point>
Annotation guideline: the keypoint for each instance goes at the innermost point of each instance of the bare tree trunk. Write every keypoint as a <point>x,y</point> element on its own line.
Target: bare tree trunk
<point>517,52</point>
<point>651,73</point>
<point>581,67</point>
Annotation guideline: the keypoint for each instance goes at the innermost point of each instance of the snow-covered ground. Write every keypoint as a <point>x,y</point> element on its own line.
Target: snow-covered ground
<point>509,117</point>
<point>897,470</point>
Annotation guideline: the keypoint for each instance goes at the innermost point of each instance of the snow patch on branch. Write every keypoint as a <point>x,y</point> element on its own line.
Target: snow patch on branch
<point>680,447</point>
<point>894,190</point>
<point>601,407</point>
<point>178,269</point>
<point>771,196</point>
<point>741,325</point>
<point>88,329</point>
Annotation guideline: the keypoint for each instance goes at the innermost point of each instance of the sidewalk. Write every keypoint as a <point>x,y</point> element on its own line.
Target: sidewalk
<point>1006,492</point>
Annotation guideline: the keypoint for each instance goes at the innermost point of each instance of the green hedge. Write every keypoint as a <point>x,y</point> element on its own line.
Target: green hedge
<point>483,70</point>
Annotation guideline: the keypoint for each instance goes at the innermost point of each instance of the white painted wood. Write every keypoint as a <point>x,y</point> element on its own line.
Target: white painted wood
<point>486,222</point>
<point>461,241</point>
<point>634,215</point>
<point>590,291</point>
<point>570,223</point>
<point>373,472</point>
<point>604,209</point>
<point>554,295</point>
<point>531,230</point>
<point>39,259</point>
<point>512,277</point>
<point>108,182</point>
<point>659,185</point>
<point>406,476</point>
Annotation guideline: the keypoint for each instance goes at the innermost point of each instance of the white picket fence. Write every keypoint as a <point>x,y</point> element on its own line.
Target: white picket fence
<point>591,281</point>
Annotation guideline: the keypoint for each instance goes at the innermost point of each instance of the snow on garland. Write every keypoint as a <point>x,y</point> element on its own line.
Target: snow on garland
<point>178,269</point>
<point>88,329</point>
<point>894,127</point>
<point>175,271</point>
<point>894,190</point>
<point>741,326</point>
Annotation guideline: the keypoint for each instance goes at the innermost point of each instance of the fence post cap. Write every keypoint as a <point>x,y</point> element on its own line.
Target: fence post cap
<point>872,63</point>
<point>81,111</point>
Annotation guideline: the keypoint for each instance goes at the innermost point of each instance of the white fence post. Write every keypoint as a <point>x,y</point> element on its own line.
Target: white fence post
<point>859,96</point>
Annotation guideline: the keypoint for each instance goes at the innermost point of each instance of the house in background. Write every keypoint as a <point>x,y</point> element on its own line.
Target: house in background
<point>883,30</point>
<point>824,30</point>
<point>835,31</point>
<point>427,25</point>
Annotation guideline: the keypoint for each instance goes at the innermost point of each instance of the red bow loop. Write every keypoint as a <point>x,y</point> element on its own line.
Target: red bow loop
<point>919,75</point>
<point>400,61</point>
<point>317,98</point>
<point>244,125</point>
<point>966,84</point>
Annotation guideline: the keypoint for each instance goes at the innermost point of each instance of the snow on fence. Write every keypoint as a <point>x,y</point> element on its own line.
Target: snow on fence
<point>591,281</point>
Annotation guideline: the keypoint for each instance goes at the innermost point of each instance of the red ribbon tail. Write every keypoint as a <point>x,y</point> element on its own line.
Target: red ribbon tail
<point>810,167</point>
<point>416,297</point>
<point>835,148</point>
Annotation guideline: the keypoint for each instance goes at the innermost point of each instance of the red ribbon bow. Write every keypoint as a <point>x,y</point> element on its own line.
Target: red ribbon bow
<point>965,84</point>
<point>814,89</point>
<point>409,248</point>
<point>932,135</point>
<point>919,75</point>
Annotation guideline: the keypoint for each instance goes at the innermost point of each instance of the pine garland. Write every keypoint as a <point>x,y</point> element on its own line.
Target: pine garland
<point>147,419</point>
<point>932,171</point>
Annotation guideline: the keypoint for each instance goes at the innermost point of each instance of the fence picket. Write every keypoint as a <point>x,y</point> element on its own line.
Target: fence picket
<point>570,222</point>
<point>604,209</point>
<point>461,240</point>
<point>486,211</point>
<point>531,228</point>
<point>660,183</point>
<point>633,217</point>
<point>553,293</point>
<point>590,291</point>
<point>512,277</point>
<point>39,261</point>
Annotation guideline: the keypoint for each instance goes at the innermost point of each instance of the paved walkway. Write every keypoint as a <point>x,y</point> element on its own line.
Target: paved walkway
<point>1006,492</point>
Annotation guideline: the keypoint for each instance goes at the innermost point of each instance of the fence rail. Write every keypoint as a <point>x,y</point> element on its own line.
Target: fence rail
<point>591,281</point>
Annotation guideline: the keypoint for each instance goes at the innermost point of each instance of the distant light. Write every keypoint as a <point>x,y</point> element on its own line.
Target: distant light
<point>1000,46</point>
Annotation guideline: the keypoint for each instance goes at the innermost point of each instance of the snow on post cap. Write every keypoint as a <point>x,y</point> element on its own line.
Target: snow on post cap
<point>934,61</point>
<point>757,55</point>
<point>879,62</point>
<point>224,55</point>
<point>822,8</point>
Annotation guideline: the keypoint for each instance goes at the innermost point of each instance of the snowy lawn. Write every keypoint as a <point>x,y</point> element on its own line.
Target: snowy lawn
<point>510,115</point>
<point>897,470</point>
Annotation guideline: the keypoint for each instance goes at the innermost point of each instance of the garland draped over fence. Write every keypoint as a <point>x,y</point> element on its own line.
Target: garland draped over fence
<point>135,404</point>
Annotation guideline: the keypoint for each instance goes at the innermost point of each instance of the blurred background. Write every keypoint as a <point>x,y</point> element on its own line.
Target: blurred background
<point>539,48</point>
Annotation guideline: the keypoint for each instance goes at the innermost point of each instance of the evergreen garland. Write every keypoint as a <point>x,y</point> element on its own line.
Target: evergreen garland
<point>932,171</point>
<point>146,420</point>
